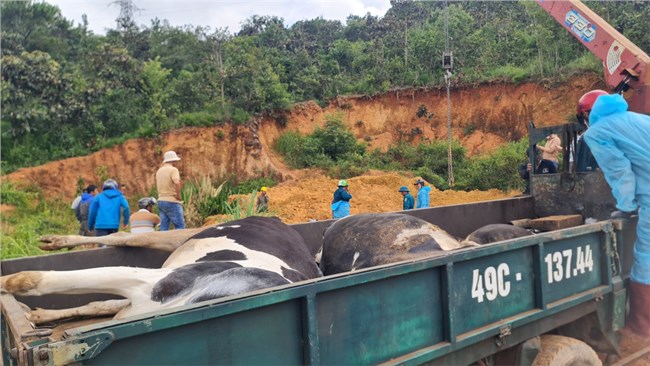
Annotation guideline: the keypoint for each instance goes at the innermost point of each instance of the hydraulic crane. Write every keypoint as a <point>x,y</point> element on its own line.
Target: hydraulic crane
<point>626,66</point>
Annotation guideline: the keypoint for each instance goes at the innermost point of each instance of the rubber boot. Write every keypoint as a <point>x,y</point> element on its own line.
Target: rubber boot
<point>638,319</point>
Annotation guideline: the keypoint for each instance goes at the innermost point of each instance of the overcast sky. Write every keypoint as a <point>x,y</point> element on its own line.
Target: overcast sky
<point>216,13</point>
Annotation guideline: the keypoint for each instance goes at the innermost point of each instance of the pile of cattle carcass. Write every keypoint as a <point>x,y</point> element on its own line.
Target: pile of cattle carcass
<point>236,257</point>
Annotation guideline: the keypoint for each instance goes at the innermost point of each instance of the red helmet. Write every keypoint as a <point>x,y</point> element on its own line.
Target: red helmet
<point>587,101</point>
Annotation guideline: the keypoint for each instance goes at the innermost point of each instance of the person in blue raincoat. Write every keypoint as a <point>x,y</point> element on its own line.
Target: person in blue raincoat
<point>104,212</point>
<point>620,142</point>
<point>423,194</point>
<point>341,201</point>
<point>408,202</point>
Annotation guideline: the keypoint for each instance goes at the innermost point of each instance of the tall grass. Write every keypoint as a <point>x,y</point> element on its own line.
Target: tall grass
<point>201,200</point>
<point>28,217</point>
<point>240,209</point>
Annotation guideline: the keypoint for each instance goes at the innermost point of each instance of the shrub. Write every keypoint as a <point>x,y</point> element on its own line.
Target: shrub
<point>240,116</point>
<point>510,72</point>
<point>586,62</point>
<point>10,195</point>
<point>289,145</point>
<point>197,119</point>
<point>253,185</point>
<point>334,139</point>
<point>322,149</point>
<point>469,129</point>
<point>495,170</point>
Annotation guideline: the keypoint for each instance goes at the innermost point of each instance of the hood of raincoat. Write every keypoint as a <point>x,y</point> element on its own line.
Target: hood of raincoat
<point>607,105</point>
<point>86,197</point>
<point>111,193</point>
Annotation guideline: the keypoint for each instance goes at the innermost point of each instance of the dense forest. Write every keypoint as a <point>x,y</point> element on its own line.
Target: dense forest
<point>68,92</point>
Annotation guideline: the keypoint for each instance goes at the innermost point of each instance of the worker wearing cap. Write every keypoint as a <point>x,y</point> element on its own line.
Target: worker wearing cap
<point>263,200</point>
<point>408,202</point>
<point>144,220</point>
<point>423,194</point>
<point>620,142</point>
<point>168,183</point>
<point>341,201</point>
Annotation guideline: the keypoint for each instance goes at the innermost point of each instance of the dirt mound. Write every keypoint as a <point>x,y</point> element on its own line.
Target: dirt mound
<point>310,198</point>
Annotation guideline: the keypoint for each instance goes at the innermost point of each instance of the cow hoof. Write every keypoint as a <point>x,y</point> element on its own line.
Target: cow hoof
<point>21,283</point>
<point>51,242</point>
<point>40,316</point>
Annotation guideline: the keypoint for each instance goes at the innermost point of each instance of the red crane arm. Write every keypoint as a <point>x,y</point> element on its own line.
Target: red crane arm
<point>626,66</point>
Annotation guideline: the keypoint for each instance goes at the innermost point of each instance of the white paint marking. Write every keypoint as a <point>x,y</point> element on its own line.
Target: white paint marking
<point>518,276</point>
<point>354,260</point>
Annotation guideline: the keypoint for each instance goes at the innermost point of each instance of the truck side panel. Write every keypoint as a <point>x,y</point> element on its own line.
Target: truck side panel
<point>405,313</point>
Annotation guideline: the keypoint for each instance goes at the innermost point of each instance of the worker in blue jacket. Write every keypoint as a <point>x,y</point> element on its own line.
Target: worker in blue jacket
<point>620,142</point>
<point>341,201</point>
<point>408,202</point>
<point>104,214</point>
<point>423,194</point>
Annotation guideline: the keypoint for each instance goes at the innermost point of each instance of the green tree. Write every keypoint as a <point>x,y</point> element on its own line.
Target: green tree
<point>251,82</point>
<point>154,85</point>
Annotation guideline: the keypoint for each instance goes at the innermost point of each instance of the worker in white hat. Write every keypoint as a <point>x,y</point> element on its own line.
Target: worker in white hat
<point>168,183</point>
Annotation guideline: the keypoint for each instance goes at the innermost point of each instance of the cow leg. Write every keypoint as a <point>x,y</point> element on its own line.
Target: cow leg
<point>93,309</point>
<point>161,240</point>
<point>134,284</point>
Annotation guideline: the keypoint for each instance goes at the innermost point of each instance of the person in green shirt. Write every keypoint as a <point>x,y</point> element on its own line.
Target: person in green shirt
<point>409,201</point>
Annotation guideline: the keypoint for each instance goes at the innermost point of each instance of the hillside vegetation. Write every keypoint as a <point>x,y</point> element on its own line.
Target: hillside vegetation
<point>68,92</point>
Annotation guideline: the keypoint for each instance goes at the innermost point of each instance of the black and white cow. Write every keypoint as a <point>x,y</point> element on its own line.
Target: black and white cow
<point>368,240</point>
<point>204,264</point>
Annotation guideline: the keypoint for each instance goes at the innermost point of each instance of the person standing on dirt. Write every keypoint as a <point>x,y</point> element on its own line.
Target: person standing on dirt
<point>551,151</point>
<point>104,212</point>
<point>168,183</point>
<point>341,201</point>
<point>263,201</point>
<point>83,209</point>
<point>423,194</point>
<point>144,220</point>
<point>620,142</point>
<point>409,201</point>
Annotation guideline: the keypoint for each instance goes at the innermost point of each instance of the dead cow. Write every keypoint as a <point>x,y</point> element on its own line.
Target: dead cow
<point>496,232</point>
<point>205,263</point>
<point>367,240</point>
